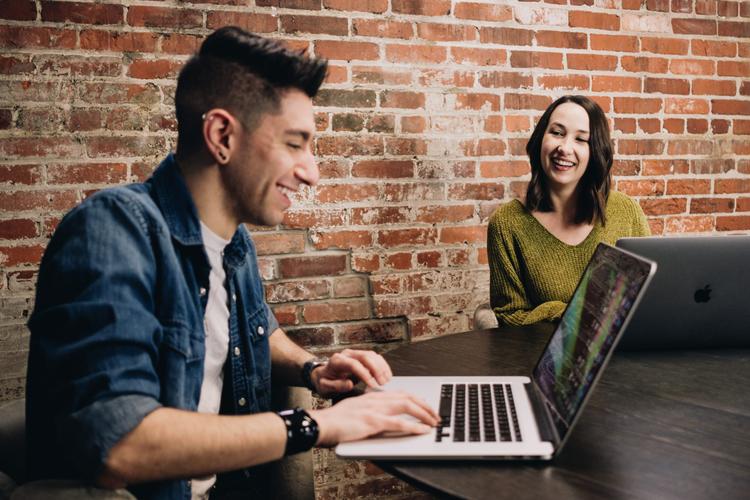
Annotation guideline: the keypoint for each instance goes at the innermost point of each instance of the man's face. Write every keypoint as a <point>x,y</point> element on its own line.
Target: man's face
<point>272,161</point>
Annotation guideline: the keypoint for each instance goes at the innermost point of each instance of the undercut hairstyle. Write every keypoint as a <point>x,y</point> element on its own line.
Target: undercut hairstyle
<point>245,74</point>
<point>595,184</point>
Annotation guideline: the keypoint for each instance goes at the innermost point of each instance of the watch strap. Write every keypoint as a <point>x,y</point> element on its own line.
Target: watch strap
<point>301,430</point>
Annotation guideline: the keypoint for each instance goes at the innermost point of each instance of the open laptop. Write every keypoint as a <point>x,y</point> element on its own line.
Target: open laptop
<point>698,299</point>
<point>522,417</point>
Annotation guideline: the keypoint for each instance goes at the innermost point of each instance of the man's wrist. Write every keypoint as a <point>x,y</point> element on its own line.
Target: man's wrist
<point>308,369</point>
<point>301,430</point>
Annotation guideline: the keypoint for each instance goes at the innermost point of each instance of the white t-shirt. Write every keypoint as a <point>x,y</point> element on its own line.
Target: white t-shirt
<point>216,324</point>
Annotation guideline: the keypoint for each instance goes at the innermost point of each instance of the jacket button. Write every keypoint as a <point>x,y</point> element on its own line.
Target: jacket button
<point>261,330</point>
<point>234,297</point>
<point>242,401</point>
<point>203,292</point>
<point>236,351</point>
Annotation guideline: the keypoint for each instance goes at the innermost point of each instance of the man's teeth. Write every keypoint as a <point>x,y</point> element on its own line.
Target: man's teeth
<point>286,191</point>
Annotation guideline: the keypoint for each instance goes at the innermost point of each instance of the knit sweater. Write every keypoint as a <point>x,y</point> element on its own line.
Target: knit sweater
<point>532,273</point>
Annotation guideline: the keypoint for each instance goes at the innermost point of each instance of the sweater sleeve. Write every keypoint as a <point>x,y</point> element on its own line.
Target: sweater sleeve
<point>507,292</point>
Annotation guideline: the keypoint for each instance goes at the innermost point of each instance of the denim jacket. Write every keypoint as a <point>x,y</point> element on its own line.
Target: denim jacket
<point>117,329</point>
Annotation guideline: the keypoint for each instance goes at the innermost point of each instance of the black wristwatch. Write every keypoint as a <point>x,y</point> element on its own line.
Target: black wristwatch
<point>301,430</point>
<point>307,370</point>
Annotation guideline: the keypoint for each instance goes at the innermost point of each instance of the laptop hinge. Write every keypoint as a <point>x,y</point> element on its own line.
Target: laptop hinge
<point>547,431</point>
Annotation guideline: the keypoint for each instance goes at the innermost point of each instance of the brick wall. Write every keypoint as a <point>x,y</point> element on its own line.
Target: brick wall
<point>422,127</point>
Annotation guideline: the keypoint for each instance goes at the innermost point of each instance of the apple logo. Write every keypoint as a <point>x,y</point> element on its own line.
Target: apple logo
<point>703,294</point>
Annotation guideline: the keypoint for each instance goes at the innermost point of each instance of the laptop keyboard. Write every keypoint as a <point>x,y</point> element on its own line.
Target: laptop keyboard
<point>476,413</point>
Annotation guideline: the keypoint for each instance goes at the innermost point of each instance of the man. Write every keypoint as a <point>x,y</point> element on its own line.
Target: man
<point>152,347</point>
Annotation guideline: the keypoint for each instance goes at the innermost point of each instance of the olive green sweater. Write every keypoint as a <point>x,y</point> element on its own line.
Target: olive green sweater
<point>532,273</point>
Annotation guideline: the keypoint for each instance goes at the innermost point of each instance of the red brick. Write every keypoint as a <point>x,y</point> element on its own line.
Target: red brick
<point>741,127</point>
<point>664,206</point>
<point>733,68</point>
<point>298,290</point>
<point>658,5</point>
<point>341,239</point>
<point>315,24</point>
<point>413,124</point>
<point>312,337</point>
<point>383,169</point>
<point>463,234</point>
<point>290,4</point>
<point>415,53</point>
<point>591,62</point>
<point>527,101</point>
<point>711,205</point>
<point>422,7</point>
<point>562,39</point>
<point>349,287</point>
<point>268,243</point>
<point>615,43</point>
<point>403,100</point>
<point>27,37</point>
<point>666,86</point>
<point>674,125</point>
<point>478,101</point>
<point>382,331</point>
<point>626,167</point>
<point>734,29</point>
<point>506,36</point>
<point>410,237</point>
<point>405,146</point>
<point>443,214</point>
<point>694,27</point>
<point>688,146</point>
<point>96,173</point>
<point>84,13</point>
<point>697,126</point>
<point>20,174</point>
<point>720,126</point>
<point>481,57</point>
<point>399,193</point>
<point>430,259</point>
<point>745,88</point>
<point>665,167</point>
<point>348,146</point>
<point>374,6</point>
<point>665,45</point>
<point>743,204</point>
<point>683,6</point>
<point>17,10</point>
<point>641,187</point>
<point>365,263</point>
<point>637,105</point>
<point>98,146</point>
<point>483,12</point>
<point>286,314</point>
<point>39,146</point>
<point>688,186</point>
<point>733,223</point>
<point>446,78</point>
<point>21,255</point>
<point>595,20</point>
<point>154,69</point>
<point>568,82</point>
<point>476,191</point>
<point>615,84</point>
<point>640,146</point>
<point>725,186</point>
<point>297,267</point>
<point>254,22</point>
<point>689,106</point>
<point>383,29</point>
<point>706,7</point>
<point>346,51</point>
<point>157,17</point>
<point>502,79</point>
<point>493,124</point>
<point>15,229</point>
<point>730,107</point>
<point>692,67</point>
<point>649,125</point>
<point>711,48</point>
<point>714,87</point>
<point>336,193</point>
<point>446,32</point>
<point>400,261</point>
<point>178,43</point>
<point>528,59</point>
<point>402,306</point>
<point>380,215</point>
<point>112,41</point>
<point>689,224</point>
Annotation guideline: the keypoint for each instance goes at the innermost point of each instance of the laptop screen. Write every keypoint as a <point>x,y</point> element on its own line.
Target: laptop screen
<point>566,371</point>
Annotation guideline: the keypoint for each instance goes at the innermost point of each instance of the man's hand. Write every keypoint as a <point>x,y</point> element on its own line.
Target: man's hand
<point>372,413</point>
<point>341,371</point>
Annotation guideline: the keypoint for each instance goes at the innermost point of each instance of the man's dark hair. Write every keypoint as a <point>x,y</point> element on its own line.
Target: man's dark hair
<point>595,184</point>
<point>243,73</point>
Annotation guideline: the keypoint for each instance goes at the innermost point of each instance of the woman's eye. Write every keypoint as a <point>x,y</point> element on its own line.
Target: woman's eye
<point>556,132</point>
<point>581,139</point>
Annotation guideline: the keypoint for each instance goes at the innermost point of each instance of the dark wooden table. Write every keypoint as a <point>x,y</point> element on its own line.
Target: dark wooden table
<point>659,425</point>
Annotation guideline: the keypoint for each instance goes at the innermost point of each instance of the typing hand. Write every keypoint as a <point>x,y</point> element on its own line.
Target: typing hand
<point>350,365</point>
<point>373,413</point>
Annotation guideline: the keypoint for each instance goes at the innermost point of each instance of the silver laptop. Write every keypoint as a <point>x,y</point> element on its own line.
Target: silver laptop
<point>522,417</point>
<point>700,296</point>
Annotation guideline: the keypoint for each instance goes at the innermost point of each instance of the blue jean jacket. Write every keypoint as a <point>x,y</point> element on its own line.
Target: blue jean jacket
<point>117,329</point>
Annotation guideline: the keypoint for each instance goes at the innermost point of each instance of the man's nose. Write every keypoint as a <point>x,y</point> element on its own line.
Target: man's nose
<point>307,171</point>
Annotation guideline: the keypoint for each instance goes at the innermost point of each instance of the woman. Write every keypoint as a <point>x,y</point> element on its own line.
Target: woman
<point>538,249</point>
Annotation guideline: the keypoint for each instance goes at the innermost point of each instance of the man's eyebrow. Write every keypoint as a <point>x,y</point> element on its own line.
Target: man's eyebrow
<point>302,133</point>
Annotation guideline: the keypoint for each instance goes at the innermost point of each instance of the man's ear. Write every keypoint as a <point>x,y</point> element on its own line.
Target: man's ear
<point>218,128</point>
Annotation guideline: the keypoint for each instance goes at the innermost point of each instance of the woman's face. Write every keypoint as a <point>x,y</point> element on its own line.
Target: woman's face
<point>565,146</point>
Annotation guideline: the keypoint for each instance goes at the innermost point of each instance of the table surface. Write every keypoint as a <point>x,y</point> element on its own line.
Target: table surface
<point>659,424</point>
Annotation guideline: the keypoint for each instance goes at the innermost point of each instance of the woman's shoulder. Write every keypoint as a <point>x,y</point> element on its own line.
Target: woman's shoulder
<point>509,214</point>
<point>618,202</point>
